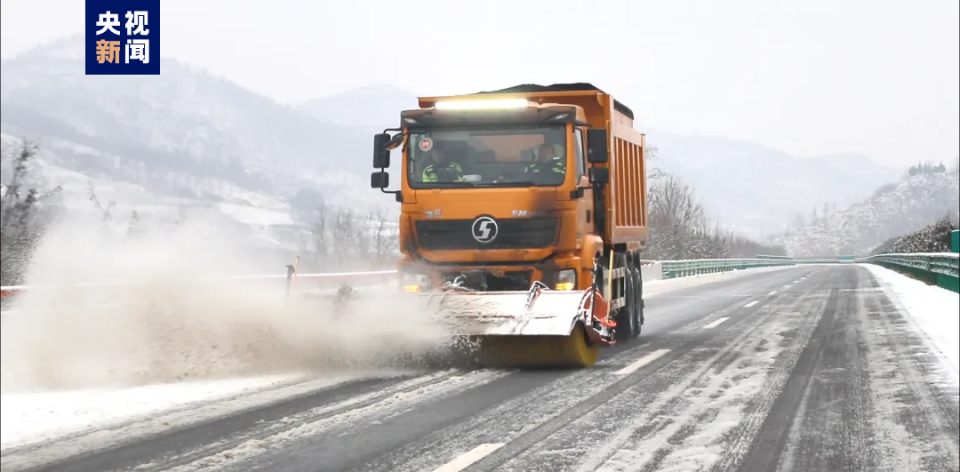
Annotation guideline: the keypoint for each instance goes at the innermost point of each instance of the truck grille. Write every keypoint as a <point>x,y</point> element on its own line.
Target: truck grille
<point>513,280</point>
<point>514,233</point>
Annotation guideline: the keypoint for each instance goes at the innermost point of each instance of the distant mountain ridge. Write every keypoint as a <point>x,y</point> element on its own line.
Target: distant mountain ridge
<point>181,138</point>
<point>369,108</point>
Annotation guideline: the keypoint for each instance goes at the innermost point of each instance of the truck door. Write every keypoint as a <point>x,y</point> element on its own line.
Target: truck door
<point>585,204</point>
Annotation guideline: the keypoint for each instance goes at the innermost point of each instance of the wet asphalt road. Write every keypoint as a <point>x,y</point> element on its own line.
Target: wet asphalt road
<point>811,368</point>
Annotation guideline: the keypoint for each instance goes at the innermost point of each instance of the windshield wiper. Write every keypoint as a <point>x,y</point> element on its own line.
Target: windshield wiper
<point>521,183</point>
<point>448,184</point>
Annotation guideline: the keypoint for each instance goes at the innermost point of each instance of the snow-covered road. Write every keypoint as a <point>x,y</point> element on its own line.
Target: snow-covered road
<point>810,368</point>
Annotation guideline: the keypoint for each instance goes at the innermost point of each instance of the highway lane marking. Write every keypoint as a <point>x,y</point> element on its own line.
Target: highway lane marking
<point>786,286</point>
<point>642,361</point>
<point>468,458</point>
<point>748,305</point>
<point>716,323</point>
<point>772,293</point>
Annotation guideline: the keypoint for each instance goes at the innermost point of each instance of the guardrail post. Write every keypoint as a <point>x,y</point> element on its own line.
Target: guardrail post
<point>290,270</point>
<point>955,240</point>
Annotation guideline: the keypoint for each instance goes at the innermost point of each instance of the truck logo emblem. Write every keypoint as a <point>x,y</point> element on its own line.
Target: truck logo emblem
<point>484,229</point>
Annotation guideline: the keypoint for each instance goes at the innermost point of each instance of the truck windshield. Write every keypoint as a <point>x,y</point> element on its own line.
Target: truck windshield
<point>487,157</point>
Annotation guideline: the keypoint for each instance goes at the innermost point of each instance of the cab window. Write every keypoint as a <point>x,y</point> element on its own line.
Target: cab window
<point>578,149</point>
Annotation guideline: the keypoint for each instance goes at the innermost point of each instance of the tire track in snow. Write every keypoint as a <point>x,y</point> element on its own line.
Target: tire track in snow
<point>589,439</point>
<point>527,420</point>
<point>218,437</point>
<point>830,427</point>
<point>336,419</point>
<point>695,426</point>
<point>917,422</point>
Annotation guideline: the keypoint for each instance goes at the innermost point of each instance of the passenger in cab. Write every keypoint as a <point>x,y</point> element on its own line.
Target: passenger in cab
<point>549,159</point>
<point>441,169</point>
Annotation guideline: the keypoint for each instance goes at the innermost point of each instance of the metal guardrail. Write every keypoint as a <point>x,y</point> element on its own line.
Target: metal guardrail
<point>674,269</point>
<point>315,281</point>
<point>670,269</point>
<point>940,269</point>
<point>764,256</point>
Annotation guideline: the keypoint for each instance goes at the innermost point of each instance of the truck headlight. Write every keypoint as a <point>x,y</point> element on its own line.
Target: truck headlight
<point>413,282</point>
<point>566,279</point>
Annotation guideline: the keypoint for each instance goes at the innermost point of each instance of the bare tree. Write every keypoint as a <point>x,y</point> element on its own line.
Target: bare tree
<point>105,212</point>
<point>385,240</point>
<point>318,246</point>
<point>651,158</point>
<point>681,229</point>
<point>362,239</point>
<point>134,225</point>
<point>343,238</point>
<point>22,214</point>
<point>674,216</point>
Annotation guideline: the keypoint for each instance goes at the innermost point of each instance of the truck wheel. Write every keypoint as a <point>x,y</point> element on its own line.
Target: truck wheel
<point>627,326</point>
<point>638,297</point>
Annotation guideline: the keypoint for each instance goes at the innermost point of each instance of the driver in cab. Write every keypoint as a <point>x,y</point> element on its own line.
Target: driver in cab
<point>549,160</point>
<point>441,169</point>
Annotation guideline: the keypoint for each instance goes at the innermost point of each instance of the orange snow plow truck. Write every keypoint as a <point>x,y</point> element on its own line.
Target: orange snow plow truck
<point>522,214</point>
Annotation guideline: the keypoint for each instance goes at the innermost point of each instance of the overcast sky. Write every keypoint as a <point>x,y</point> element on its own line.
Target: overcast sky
<point>878,77</point>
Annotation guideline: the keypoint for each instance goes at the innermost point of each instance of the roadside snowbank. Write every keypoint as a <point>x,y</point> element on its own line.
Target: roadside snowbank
<point>36,417</point>
<point>936,312</point>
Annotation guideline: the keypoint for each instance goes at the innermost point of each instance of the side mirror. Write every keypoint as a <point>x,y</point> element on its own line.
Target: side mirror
<point>597,152</point>
<point>381,154</point>
<point>379,180</point>
<point>599,175</point>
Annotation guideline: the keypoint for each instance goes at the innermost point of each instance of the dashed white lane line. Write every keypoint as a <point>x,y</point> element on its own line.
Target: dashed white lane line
<point>468,458</point>
<point>642,361</point>
<point>748,305</point>
<point>716,322</point>
<point>787,286</point>
<point>772,293</point>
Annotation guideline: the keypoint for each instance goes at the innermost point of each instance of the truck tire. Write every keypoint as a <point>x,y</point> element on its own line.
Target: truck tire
<point>638,297</point>
<point>627,319</point>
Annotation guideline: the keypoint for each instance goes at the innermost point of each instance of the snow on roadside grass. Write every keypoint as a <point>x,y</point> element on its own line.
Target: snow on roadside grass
<point>36,417</point>
<point>936,311</point>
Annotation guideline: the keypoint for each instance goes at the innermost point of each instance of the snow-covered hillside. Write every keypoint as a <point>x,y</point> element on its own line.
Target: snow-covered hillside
<point>893,210</point>
<point>182,139</point>
<point>933,238</point>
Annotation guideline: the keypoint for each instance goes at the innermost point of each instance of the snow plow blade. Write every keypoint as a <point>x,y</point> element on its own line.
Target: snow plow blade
<point>528,329</point>
<point>535,328</point>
